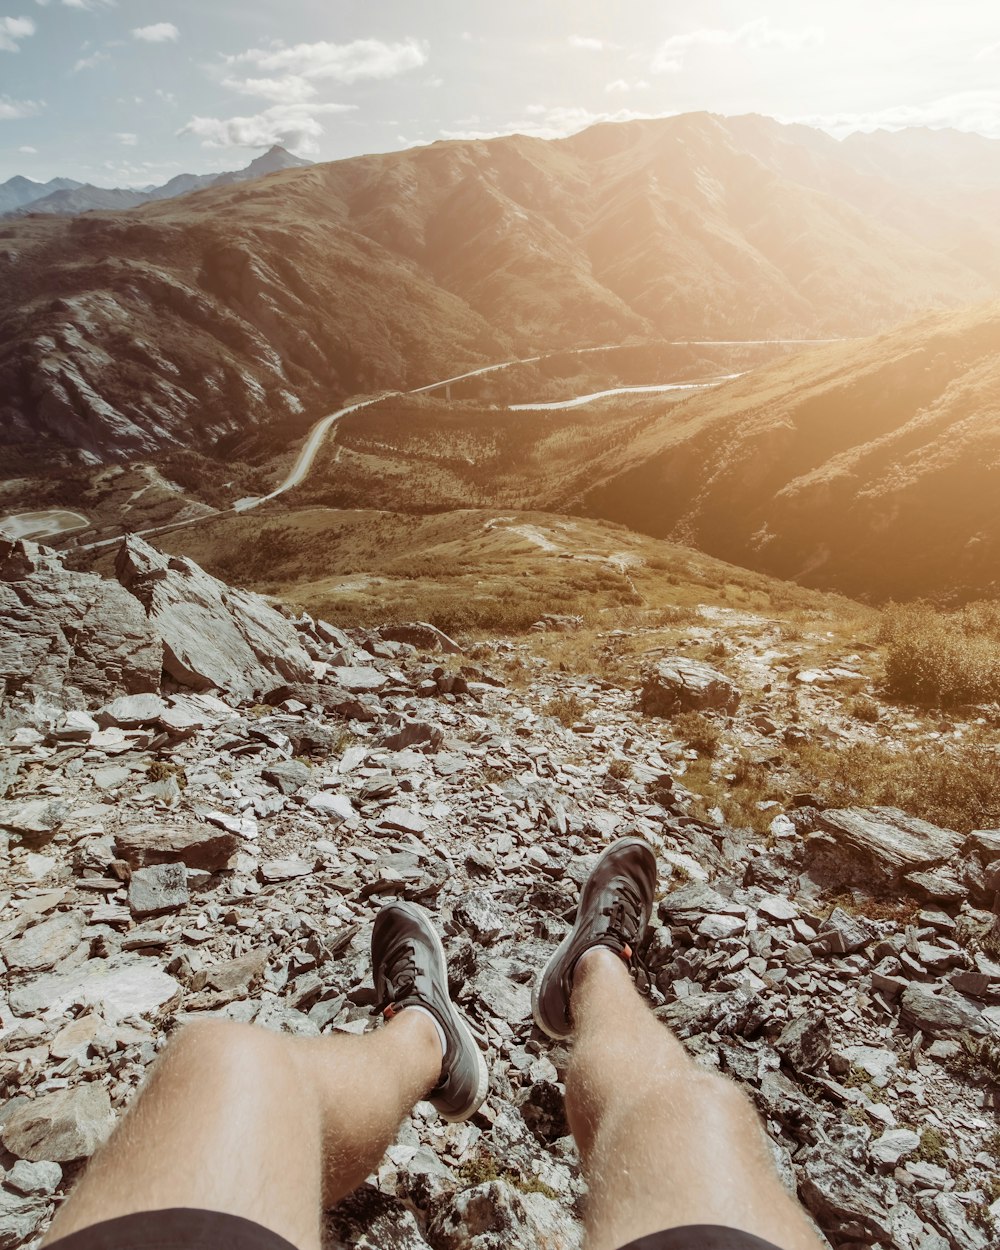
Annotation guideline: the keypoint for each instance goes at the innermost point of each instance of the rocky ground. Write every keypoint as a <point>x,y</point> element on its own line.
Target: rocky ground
<point>203,804</point>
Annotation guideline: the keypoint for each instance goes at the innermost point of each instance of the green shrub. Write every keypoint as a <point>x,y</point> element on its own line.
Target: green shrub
<point>939,659</point>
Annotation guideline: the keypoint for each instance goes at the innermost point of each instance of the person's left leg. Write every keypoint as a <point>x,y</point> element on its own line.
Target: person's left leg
<point>238,1120</point>
<point>247,1122</point>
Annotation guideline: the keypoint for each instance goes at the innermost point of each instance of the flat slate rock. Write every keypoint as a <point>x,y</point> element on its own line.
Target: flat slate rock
<point>60,1127</point>
<point>43,945</point>
<point>213,635</point>
<point>891,840</point>
<point>196,845</point>
<point>158,889</point>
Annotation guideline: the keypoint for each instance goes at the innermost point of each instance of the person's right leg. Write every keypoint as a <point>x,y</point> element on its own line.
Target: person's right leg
<point>664,1142</point>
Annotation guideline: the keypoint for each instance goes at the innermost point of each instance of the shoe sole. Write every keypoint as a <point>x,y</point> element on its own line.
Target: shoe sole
<point>563,947</point>
<point>482,1072</point>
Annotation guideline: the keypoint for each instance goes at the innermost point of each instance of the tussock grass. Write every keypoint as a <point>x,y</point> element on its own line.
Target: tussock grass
<point>698,731</point>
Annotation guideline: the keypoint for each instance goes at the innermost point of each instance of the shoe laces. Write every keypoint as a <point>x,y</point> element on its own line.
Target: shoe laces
<point>625,914</point>
<point>400,973</point>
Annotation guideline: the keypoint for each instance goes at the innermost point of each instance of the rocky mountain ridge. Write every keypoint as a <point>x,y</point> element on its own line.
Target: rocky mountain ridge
<point>65,196</point>
<point>865,467</point>
<point>198,320</point>
<point>219,839</point>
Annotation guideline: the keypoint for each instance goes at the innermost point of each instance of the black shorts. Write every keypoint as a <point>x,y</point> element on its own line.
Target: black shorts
<point>185,1229</point>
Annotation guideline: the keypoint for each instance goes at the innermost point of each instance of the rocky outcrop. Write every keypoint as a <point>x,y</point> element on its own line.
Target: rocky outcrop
<point>679,684</point>
<point>74,637</point>
<point>885,841</point>
<point>214,636</point>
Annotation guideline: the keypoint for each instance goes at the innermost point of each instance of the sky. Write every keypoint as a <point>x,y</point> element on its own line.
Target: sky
<point>131,92</point>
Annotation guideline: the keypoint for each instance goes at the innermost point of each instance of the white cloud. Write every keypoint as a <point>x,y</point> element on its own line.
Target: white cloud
<point>990,53</point>
<point>90,62</point>
<point>89,4</point>
<point>974,111</point>
<point>339,62</point>
<point>167,97</point>
<point>293,126</point>
<point>14,110</point>
<point>126,139</point>
<point>159,32</point>
<point>759,33</point>
<point>28,150</point>
<point>12,29</point>
<point>621,85</point>
<point>289,89</point>
<point>587,43</point>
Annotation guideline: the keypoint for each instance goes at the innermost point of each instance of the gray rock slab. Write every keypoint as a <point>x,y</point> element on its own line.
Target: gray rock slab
<point>274,870</point>
<point>43,945</point>
<point>358,679</point>
<point>288,775</point>
<point>679,684</point>
<point>34,820</point>
<point>894,842</point>
<point>336,807</point>
<point>34,1178</point>
<point>125,986</point>
<point>131,711</point>
<point>213,634</point>
<point>195,845</point>
<point>63,1126</point>
<point>62,629</point>
<point>402,820</point>
<point>20,1219</point>
<point>944,1013</point>
<point>894,1144</point>
<point>160,888</point>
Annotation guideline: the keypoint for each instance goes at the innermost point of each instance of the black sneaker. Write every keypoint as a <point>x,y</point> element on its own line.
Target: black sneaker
<point>410,971</point>
<point>615,905</point>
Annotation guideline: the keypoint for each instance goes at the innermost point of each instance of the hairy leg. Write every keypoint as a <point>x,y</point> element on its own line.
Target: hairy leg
<point>664,1142</point>
<point>252,1123</point>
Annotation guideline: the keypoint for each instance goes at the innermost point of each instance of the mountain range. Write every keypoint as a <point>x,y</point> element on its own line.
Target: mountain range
<point>197,319</point>
<point>65,196</point>
<point>871,467</point>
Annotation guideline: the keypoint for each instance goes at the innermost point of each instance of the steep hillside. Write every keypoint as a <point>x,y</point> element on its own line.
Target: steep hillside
<point>196,320</point>
<point>867,467</point>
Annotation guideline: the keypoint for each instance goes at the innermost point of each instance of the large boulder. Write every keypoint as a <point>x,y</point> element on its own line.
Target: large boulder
<point>883,843</point>
<point>214,636</point>
<point>682,685</point>
<point>70,635</point>
<point>62,1126</point>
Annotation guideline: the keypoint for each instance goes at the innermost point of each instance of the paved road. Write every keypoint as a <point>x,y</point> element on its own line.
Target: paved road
<point>307,455</point>
<point>36,525</point>
<point>625,390</point>
<point>304,461</point>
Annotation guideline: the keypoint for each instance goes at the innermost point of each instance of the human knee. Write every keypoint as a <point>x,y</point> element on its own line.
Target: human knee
<point>211,1046</point>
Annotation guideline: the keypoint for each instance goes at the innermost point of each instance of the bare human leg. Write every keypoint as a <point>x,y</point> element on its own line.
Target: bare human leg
<point>664,1142</point>
<point>250,1123</point>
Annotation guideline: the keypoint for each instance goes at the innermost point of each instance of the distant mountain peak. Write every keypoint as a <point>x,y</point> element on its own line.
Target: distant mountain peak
<point>64,196</point>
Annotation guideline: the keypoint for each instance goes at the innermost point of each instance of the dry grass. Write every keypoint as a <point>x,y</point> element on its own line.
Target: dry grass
<point>698,731</point>
<point>958,789</point>
<point>738,795</point>
<point>567,709</point>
